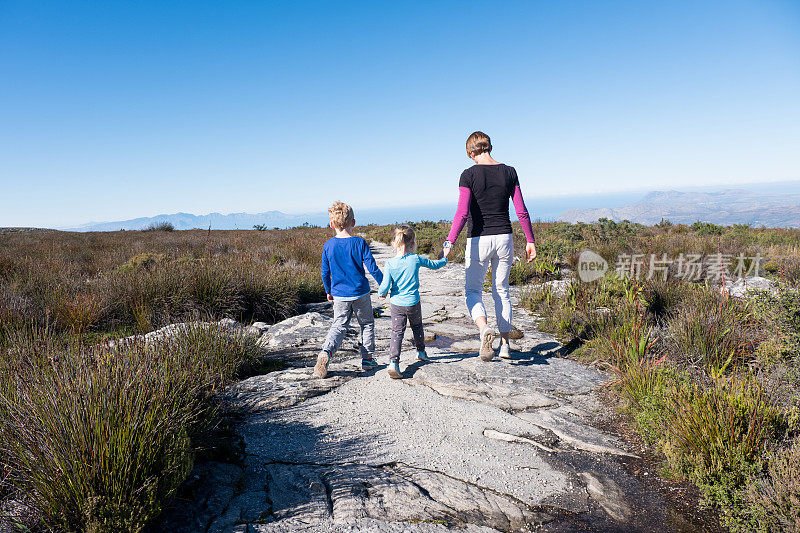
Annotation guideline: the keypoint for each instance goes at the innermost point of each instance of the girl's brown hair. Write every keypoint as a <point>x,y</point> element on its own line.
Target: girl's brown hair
<point>477,143</point>
<point>405,235</point>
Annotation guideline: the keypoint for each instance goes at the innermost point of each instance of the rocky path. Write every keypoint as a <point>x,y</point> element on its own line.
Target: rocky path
<point>458,444</point>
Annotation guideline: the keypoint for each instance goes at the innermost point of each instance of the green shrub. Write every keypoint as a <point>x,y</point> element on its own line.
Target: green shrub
<point>782,314</point>
<point>142,261</point>
<point>706,228</point>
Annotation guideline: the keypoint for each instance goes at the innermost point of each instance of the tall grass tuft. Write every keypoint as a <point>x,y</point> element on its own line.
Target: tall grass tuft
<point>99,438</point>
<point>718,435</point>
<point>79,311</point>
<point>713,330</point>
<point>725,422</point>
<point>661,299</point>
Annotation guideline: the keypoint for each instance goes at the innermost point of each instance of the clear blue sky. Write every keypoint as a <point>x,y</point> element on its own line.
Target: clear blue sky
<point>112,110</point>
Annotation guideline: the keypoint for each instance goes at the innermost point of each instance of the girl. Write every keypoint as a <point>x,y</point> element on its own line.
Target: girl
<point>483,194</point>
<point>401,281</point>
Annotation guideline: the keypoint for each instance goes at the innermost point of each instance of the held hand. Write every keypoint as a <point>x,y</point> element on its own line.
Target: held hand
<point>446,251</point>
<point>330,297</point>
<point>530,251</point>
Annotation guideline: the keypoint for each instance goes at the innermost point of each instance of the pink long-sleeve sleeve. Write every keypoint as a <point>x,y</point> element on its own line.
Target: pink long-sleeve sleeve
<point>522,214</point>
<point>462,213</point>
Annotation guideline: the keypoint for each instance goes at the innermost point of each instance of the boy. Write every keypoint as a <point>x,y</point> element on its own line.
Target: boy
<point>343,260</point>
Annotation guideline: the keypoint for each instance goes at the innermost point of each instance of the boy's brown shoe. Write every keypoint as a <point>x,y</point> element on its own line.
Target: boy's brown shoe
<point>321,368</point>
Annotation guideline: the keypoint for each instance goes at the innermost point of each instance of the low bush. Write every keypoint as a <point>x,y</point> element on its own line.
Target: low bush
<point>160,226</point>
<point>710,382</point>
<point>142,261</point>
<point>718,435</point>
<point>781,313</point>
<point>774,496</point>
<point>707,228</point>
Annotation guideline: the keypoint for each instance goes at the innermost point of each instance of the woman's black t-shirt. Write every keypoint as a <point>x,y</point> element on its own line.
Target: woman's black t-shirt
<point>491,186</point>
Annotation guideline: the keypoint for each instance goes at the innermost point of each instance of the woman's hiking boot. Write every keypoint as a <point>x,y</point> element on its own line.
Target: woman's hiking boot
<point>487,337</point>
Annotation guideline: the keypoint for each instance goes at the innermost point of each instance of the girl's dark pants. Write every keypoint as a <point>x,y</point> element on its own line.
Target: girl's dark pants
<point>401,314</point>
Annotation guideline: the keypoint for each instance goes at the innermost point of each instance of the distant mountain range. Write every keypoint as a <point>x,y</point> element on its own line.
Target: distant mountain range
<point>774,205</point>
<point>270,219</point>
<point>732,206</point>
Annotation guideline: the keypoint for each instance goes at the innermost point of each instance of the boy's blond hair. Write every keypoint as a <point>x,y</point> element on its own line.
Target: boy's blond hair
<point>341,215</point>
<point>477,143</point>
<point>405,235</point>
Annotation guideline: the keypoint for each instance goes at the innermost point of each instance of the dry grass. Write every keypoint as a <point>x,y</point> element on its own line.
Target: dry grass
<point>98,438</point>
<point>137,280</point>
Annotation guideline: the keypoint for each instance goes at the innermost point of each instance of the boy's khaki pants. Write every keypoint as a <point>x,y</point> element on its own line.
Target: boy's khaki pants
<point>343,311</point>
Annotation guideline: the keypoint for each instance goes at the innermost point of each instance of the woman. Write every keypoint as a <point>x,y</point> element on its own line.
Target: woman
<point>483,194</point>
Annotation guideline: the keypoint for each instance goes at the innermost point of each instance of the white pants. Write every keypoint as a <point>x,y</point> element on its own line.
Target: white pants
<point>482,252</point>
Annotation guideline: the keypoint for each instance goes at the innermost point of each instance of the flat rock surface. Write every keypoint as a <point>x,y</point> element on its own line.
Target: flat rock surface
<point>458,444</point>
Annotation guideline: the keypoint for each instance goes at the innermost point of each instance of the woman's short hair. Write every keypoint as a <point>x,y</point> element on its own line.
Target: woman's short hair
<point>341,215</point>
<point>477,143</point>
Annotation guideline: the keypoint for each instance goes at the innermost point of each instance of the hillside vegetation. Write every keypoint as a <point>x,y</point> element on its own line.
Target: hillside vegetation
<point>709,381</point>
<point>97,436</point>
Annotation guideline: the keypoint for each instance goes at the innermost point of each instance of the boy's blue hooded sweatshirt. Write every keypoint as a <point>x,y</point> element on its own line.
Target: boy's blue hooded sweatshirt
<point>343,261</point>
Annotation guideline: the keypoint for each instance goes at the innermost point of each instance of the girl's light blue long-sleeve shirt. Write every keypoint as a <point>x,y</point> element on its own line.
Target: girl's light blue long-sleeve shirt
<point>401,278</point>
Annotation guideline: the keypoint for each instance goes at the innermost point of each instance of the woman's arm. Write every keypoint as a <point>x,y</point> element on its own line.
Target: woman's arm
<point>522,214</point>
<point>462,214</point>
